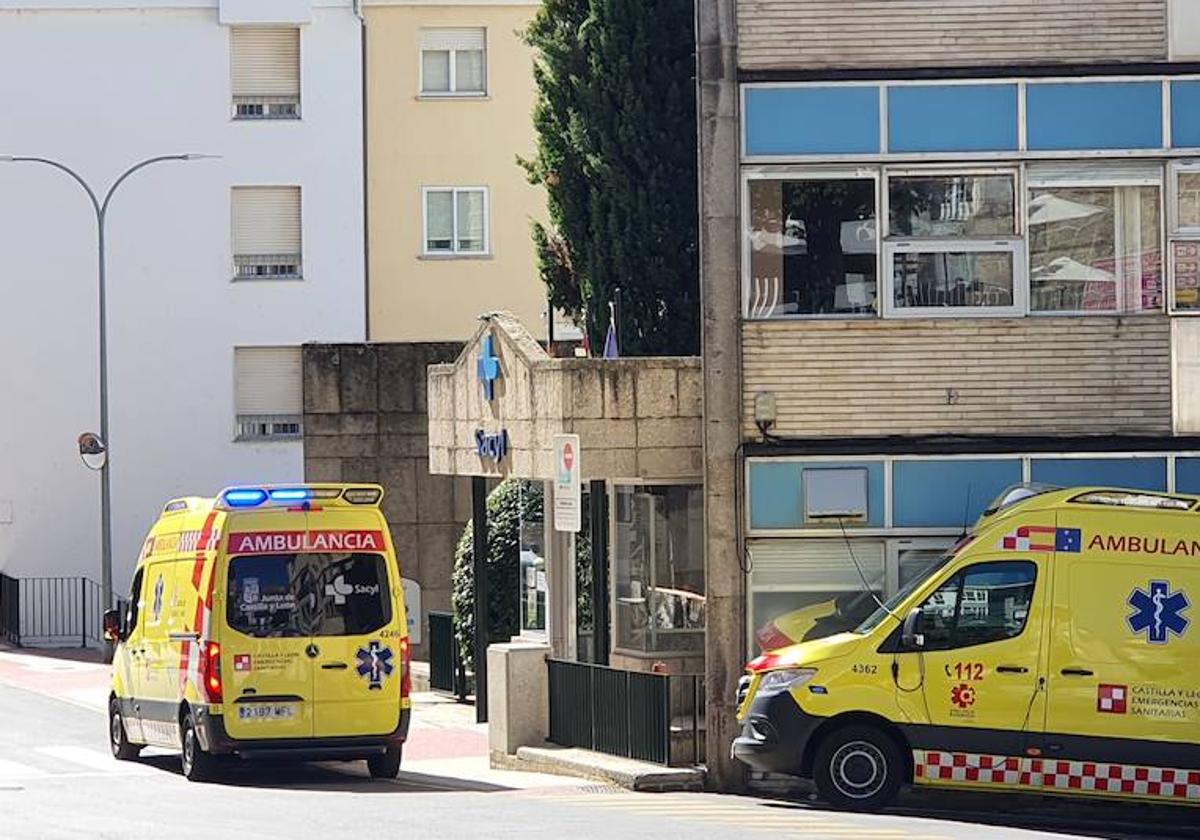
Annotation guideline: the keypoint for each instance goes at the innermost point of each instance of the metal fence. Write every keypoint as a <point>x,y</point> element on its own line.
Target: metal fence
<point>645,716</point>
<point>10,610</point>
<point>446,669</point>
<point>52,611</point>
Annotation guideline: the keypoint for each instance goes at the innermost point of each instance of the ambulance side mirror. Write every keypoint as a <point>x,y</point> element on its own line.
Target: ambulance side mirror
<point>910,637</point>
<point>112,625</point>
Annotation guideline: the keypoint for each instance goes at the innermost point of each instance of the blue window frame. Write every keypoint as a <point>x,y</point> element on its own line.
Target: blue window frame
<point>1094,115</point>
<point>812,120</point>
<point>950,493</point>
<point>1185,114</point>
<point>953,118</point>
<point>1134,473</point>
<point>777,493</point>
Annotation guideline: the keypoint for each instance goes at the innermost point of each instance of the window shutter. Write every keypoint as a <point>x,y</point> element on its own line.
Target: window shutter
<point>814,565</point>
<point>268,380</point>
<point>1095,173</point>
<point>266,220</point>
<point>265,61</point>
<point>474,38</point>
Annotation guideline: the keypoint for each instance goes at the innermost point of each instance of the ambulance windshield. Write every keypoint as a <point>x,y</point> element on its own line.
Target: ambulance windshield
<point>892,604</point>
<point>300,595</point>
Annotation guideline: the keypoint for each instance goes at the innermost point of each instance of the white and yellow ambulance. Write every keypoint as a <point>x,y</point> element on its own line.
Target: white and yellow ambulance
<point>1051,651</point>
<point>268,621</point>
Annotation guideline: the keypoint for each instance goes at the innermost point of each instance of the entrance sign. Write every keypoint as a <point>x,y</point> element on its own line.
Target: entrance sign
<point>567,502</point>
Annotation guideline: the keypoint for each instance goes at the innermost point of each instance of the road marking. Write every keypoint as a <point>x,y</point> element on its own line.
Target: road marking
<point>16,770</point>
<point>82,755</point>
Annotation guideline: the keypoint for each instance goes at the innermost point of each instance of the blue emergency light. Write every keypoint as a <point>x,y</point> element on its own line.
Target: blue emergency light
<point>245,498</point>
<point>299,494</point>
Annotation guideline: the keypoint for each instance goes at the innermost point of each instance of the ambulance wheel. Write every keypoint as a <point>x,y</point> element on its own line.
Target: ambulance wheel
<point>122,750</point>
<point>858,768</point>
<point>198,766</point>
<point>386,765</point>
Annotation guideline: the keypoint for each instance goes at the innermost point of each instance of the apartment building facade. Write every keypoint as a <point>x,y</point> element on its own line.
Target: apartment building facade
<point>947,248</point>
<point>449,98</point>
<point>218,268</point>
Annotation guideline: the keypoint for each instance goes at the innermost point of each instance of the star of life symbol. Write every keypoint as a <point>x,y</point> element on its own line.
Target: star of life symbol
<point>338,590</point>
<point>375,663</point>
<point>1159,612</point>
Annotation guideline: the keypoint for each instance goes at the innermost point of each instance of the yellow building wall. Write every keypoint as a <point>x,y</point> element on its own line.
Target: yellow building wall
<point>415,142</point>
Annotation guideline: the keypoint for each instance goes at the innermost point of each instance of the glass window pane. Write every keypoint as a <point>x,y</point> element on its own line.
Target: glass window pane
<point>468,71</point>
<point>1187,274</point>
<point>435,71</point>
<point>1094,249</point>
<point>812,247</point>
<point>659,568</point>
<point>470,221</point>
<point>952,205</point>
<point>1189,199</point>
<point>985,603</point>
<point>533,582</point>
<point>953,279</point>
<point>439,220</point>
<point>785,618</point>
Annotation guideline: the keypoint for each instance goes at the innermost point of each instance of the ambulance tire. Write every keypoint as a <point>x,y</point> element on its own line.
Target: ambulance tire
<point>386,765</point>
<point>858,768</point>
<point>122,750</point>
<point>198,765</point>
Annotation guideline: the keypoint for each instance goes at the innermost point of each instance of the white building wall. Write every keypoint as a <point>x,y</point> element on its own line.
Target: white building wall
<point>100,89</point>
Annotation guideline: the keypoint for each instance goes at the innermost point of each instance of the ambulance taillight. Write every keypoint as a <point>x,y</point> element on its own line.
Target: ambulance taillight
<point>210,672</point>
<point>406,666</point>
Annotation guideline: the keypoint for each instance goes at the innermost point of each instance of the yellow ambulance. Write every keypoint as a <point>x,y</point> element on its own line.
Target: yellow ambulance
<point>266,622</point>
<point>1051,651</point>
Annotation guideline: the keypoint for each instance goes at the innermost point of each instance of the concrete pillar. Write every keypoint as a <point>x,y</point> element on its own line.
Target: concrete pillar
<point>720,295</point>
<point>518,698</point>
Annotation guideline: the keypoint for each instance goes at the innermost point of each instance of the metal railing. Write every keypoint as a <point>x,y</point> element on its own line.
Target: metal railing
<point>446,670</point>
<point>646,716</point>
<point>10,610</point>
<point>52,611</point>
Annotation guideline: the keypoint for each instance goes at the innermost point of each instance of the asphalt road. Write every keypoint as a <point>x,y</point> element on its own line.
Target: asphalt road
<point>58,781</point>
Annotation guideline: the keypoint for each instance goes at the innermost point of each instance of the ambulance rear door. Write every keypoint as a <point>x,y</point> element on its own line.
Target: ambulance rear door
<point>267,652</point>
<point>358,626</point>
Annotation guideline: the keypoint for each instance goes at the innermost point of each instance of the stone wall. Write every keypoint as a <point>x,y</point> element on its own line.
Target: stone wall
<point>365,419</point>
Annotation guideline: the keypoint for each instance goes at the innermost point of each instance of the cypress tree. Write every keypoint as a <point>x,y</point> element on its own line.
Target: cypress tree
<point>616,125</point>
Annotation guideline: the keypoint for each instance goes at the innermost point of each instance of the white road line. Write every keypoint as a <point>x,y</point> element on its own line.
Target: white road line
<point>17,770</point>
<point>94,759</point>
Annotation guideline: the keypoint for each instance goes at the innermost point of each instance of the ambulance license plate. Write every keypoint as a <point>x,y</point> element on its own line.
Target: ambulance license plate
<point>266,711</point>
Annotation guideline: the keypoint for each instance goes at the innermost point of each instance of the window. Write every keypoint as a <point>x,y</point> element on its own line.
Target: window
<point>1185,237</point>
<point>266,233</point>
<point>454,62</point>
<point>136,600</point>
<point>533,584</point>
<point>835,495</point>
<point>812,247</point>
<point>456,221</point>
<point>295,595</point>
<point>953,244</point>
<point>658,553</point>
<point>1094,239</point>
<point>987,602</point>
<point>265,72</point>
<point>268,392</point>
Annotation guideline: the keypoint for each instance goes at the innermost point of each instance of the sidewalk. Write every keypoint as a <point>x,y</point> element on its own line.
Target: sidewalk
<point>444,740</point>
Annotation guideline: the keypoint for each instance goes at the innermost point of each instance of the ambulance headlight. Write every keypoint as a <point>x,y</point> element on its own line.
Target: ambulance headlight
<point>786,678</point>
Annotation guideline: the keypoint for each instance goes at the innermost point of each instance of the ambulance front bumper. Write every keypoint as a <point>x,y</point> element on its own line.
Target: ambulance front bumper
<point>775,734</point>
<point>210,728</point>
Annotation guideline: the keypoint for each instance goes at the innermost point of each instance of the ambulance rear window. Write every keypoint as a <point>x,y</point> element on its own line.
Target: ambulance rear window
<point>298,595</point>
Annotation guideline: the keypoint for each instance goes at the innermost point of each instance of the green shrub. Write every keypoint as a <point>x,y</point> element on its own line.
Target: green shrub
<point>506,505</point>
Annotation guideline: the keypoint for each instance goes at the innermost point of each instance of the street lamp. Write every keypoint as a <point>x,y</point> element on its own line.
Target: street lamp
<point>100,206</point>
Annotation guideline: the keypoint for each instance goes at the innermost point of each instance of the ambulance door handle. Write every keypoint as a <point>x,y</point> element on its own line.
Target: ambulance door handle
<point>1011,669</point>
<point>334,666</point>
<point>1076,672</point>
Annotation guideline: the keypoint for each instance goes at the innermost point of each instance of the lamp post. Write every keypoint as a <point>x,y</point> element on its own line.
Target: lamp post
<point>100,206</point>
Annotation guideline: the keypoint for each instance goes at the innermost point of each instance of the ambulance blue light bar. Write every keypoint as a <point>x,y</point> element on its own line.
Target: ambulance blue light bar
<point>243,498</point>
<point>252,497</point>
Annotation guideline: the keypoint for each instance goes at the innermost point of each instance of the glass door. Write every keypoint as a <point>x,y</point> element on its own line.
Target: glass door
<point>910,558</point>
